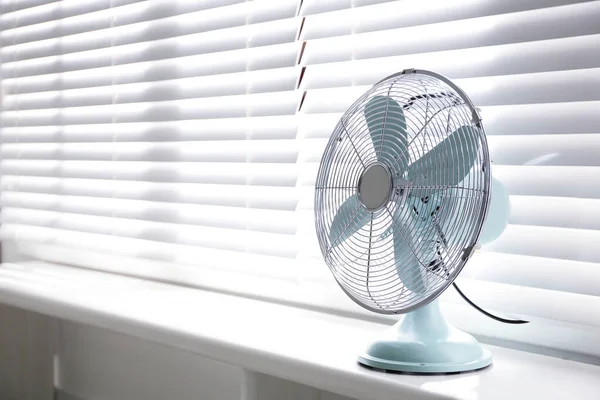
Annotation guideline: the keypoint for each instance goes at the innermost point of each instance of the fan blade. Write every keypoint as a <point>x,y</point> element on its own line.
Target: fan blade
<point>407,265</point>
<point>350,217</point>
<point>424,231</point>
<point>386,118</point>
<point>449,162</point>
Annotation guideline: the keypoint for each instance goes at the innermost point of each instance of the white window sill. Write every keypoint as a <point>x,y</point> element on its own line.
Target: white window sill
<point>303,346</point>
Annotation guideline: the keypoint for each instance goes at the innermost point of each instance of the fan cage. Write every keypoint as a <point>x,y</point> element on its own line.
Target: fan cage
<point>431,223</point>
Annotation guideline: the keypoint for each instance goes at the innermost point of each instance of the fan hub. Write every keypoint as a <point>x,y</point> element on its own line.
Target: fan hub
<point>375,186</point>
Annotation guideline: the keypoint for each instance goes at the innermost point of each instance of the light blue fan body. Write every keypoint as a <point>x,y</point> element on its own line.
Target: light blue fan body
<point>498,214</point>
<point>422,341</point>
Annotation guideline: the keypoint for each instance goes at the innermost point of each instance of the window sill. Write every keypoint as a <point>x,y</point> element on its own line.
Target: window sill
<point>308,347</point>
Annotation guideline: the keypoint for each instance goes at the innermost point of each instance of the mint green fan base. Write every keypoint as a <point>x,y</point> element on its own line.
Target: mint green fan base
<point>424,342</point>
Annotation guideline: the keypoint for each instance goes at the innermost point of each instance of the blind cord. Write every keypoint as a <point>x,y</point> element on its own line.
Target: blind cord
<point>487,314</point>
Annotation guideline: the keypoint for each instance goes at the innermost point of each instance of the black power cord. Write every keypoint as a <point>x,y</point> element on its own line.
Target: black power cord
<point>487,314</point>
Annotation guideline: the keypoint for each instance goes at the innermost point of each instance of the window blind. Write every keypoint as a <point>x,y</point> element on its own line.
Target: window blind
<point>156,130</point>
<point>159,137</point>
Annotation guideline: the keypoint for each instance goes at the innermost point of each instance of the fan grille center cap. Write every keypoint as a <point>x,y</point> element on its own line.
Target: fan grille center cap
<point>375,186</point>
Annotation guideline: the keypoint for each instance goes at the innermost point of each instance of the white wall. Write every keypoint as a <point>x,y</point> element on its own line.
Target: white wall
<point>88,363</point>
<point>96,364</point>
<point>27,344</point>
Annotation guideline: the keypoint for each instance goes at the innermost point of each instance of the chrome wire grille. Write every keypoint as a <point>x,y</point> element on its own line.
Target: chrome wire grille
<point>404,254</point>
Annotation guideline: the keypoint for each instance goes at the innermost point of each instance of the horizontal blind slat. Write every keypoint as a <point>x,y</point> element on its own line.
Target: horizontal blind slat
<point>9,6</point>
<point>548,242</point>
<point>546,87</point>
<point>560,212</point>
<point>34,12</point>
<point>181,172</point>
<point>541,150</point>
<point>530,302</point>
<point>261,104</point>
<point>253,196</point>
<point>273,80</point>
<point>317,6</point>
<point>538,272</point>
<point>262,151</point>
<point>267,127</point>
<point>549,118</point>
<point>261,220</point>
<point>554,181</point>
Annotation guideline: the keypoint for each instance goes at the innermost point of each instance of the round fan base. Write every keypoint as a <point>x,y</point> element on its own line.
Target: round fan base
<point>423,342</point>
<point>426,368</point>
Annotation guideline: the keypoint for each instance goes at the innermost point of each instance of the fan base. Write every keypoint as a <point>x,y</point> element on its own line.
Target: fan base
<point>423,342</point>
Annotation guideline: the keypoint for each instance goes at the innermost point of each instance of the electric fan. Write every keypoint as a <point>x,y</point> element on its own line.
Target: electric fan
<point>401,202</point>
